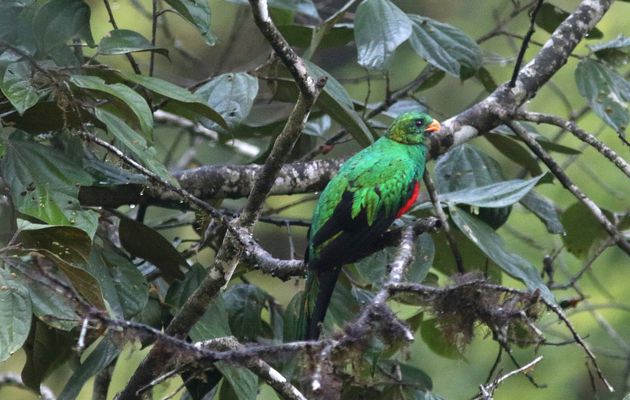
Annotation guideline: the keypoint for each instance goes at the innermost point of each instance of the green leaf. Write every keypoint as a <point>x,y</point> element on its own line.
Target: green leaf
<point>379,28</point>
<point>409,375</point>
<point>615,52</point>
<point>69,249</point>
<point>372,269</point>
<point>104,353</point>
<point>17,86</point>
<point>231,95</point>
<point>466,167</point>
<point>123,41</point>
<point>53,308</point>
<point>198,13</point>
<point>544,209</point>
<point>244,383</point>
<point>124,287</point>
<point>582,230</point>
<point>424,254</point>
<point>547,144</point>
<point>514,151</point>
<point>177,94</point>
<point>46,350</point>
<point>133,143</point>
<point>550,16</point>
<point>606,92</point>
<point>491,244</point>
<point>45,185</point>
<point>9,13</point>
<point>214,322</point>
<point>474,259</point>
<point>128,96</point>
<point>302,36</point>
<point>146,243</point>
<point>291,318</point>
<point>336,102</point>
<point>436,341</point>
<point>445,47</point>
<point>57,21</point>
<point>318,127</point>
<point>499,194</point>
<point>15,314</point>
<point>486,79</point>
<point>343,304</point>
<point>244,303</point>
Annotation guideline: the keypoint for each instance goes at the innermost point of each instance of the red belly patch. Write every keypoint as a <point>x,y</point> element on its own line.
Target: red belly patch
<point>410,201</point>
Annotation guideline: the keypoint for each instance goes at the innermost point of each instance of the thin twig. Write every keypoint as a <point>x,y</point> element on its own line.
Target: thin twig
<point>258,366</point>
<point>488,390</point>
<point>112,20</point>
<point>586,266</point>
<point>555,169</point>
<point>581,134</point>
<point>450,238</point>
<point>13,379</point>
<point>521,53</point>
<point>154,23</point>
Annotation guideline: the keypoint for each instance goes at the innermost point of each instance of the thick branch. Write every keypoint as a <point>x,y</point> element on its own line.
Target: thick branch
<point>216,181</point>
<point>504,101</point>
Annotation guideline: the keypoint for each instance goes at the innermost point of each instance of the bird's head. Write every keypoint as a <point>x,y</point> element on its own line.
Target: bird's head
<point>411,127</point>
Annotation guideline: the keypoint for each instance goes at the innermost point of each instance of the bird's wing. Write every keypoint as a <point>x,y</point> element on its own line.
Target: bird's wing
<point>361,205</point>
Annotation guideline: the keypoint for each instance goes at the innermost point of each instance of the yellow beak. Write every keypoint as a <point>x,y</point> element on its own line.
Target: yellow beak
<point>433,126</point>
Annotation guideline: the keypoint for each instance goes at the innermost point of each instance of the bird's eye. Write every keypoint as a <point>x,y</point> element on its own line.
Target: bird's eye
<point>419,122</point>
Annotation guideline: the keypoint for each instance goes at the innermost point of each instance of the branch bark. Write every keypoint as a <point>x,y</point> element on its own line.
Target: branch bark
<point>216,181</point>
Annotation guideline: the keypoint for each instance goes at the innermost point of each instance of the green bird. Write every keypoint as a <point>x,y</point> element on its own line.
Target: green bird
<point>372,189</point>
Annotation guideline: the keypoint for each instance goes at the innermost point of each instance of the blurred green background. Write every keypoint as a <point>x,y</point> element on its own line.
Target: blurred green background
<point>240,47</point>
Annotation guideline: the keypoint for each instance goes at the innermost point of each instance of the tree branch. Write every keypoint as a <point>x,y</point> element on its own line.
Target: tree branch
<point>564,179</point>
<point>13,379</point>
<point>167,118</point>
<point>259,258</point>
<point>525,44</point>
<point>226,260</point>
<point>216,181</point>
<point>504,101</point>
<point>581,134</point>
<point>258,366</point>
<point>487,391</point>
<point>112,20</point>
<point>450,238</point>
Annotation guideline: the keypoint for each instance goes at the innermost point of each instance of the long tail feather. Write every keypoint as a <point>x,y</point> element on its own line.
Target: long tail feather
<point>319,288</point>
